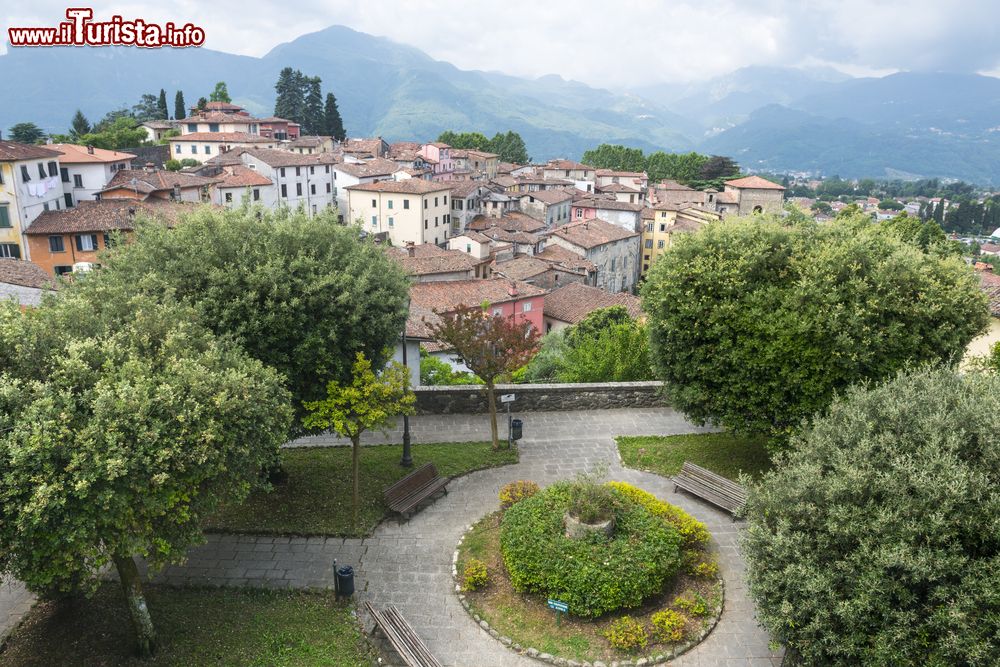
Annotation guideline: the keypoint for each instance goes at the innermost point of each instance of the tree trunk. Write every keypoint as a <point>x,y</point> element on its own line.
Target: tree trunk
<point>491,399</point>
<point>356,472</point>
<point>142,623</point>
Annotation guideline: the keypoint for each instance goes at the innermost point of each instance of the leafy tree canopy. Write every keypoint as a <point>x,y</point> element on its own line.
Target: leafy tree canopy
<point>220,93</point>
<point>691,169</point>
<point>26,133</point>
<point>508,146</point>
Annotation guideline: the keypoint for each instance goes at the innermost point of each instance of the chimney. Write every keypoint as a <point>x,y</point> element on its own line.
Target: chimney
<point>410,249</point>
<point>149,166</point>
<point>90,150</point>
<point>176,195</point>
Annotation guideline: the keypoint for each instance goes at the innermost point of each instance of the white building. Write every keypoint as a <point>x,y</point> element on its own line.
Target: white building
<point>414,210</point>
<point>358,172</point>
<point>85,170</point>
<point>29,186</point>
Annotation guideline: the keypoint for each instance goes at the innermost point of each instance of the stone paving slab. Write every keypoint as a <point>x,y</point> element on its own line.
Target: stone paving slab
<point>15,601</point>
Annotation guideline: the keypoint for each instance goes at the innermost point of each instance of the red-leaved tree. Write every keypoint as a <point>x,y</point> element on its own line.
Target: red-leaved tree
<point>491,346</point>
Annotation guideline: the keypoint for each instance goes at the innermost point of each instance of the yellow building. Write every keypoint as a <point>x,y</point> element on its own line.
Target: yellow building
<point>662,222</point>
<point>30,184</point>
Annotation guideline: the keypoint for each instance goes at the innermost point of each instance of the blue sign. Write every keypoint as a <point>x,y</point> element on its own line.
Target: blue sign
<point>558,606</point>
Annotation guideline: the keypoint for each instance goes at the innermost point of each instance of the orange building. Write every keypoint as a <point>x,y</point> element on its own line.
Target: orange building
<point>58,240</point>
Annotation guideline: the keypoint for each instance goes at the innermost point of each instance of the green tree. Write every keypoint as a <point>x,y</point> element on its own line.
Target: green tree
<point>221,93</point>
<point>148,108</point>
<point>333,123</point>
<point>314,120</point>
<point>123,425</point>
<point>79,126</point>
<point>821,207</point>
<point>890,205</point>
<point>756,325</point>
<point>172,165</point>
<point>26,133</point>
<point>875,540</point>
<point>202,104</point>
<point>490,346</point>
<point>509,147</point>
<point>122,133</point>
<point>370,401</point>
<point>161,106</point>
<point>615,156</point>
<point>473,140</point>
<point>619,353</point>
<point>300,293</point>
<point>180,110</point>
<point>437,372</point>
<point>290,100</point>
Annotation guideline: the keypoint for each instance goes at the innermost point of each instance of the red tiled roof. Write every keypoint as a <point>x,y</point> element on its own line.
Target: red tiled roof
<point>155,180</point>
<point>219,117</point>
<point>573,302</point>
<point>553,196</point>
<point>410,186</point>
<point>26,274</point>
<point>566,164</point>
<point>754,183</point>
<point>375,167</point>
<point>107,215</point>
<point>607,204</point>
<point>566,258</point>
<point>74,154</point>
<point>424,263</point>
<point>238,176</point>
<point>227,137</point>
<point>523,268</point>
<point>11,151</point>
<point>592,233</point>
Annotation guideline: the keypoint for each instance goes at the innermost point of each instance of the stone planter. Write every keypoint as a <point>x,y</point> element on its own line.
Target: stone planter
<point>578,530</point>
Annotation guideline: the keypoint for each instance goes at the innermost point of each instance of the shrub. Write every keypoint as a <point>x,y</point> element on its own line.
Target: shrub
<point>592,576</point>
<point>591,502</point>
<point>755,325</point>
<point>708,569</point>
<point>516,491</point>
<point>668,626</point>
<point>626,634</point>
<point>693,604</point>
<point>172,165</point>
<point>476,575</point>
<point>876,540</point>
<point>693,531</point>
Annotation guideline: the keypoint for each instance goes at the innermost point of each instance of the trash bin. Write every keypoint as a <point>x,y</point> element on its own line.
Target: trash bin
<point>345,581</point>
<point>515,429</point>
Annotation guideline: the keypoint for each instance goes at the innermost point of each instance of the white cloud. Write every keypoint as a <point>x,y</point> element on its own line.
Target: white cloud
<point>629,42</point>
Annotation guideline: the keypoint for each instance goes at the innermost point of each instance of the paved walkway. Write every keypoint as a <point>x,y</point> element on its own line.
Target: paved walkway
<point>409,565</point>
<point>15,601</point>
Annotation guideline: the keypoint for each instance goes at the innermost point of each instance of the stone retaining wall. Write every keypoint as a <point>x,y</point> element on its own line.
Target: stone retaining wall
<point>540,397</point>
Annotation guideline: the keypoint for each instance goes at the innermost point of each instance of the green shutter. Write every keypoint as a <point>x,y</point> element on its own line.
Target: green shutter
<point>4,216</point>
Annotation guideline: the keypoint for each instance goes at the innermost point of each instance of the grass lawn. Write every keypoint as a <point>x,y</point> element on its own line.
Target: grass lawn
<point>316,499</point>
<point>723,453</point>
<point>195,626</point>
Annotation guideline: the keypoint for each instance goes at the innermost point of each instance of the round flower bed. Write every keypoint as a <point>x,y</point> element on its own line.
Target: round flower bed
<point>656,571</point>
<point>594,575</point>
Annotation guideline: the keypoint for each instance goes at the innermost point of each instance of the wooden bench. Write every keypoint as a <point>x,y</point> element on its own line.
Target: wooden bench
<point>716,489</point>
<point>402,637</point>
<point>404,496</point>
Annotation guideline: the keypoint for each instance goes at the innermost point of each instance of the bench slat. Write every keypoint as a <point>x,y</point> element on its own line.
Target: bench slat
<point>406,494</point>
<point>697,471</point>
<point>417,497</point>
<point>710,486</point>
<point>699,486</point>
<point>402,637</point>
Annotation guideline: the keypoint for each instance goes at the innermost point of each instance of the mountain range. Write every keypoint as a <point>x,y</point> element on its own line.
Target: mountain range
<point>777,119</point>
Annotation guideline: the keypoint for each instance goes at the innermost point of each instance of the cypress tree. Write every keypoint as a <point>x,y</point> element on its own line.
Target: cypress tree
<point>179,109</point>
<point>79,126</point>
<point>313,112</point>
<point>161,106</point>
<point>334,123</point>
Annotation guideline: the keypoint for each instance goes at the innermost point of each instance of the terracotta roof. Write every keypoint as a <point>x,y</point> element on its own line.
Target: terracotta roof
<point>160,124</point>
<point>238,176</point>
<point>573,302</point>
<point>448,295</point>
<point>375,167</point>
<point>11,151</point>
<point>505,181</point>
<point>428,263</point>
<point>754,183</point>
<point>227,106</point>
<point>478,237</point>
<point>667,184</point>
<point>553,183</point>
<point>483,155</point>
<point>309,141</point>
<point>989,283</point>
<point>398,147</point>
<point>439,144</point>
<point>373,146</point>
<point>75,154</point>
<point>410,186</point>
<point>554,196</point>
<point>616,187</point>
<point>106,215</point>
<point>523,268</point>
<point>155,180</point>
<point>647,213</point>
<point>462,189</point>
<point>622,174</point>
<point>26,274</point>
<point>512,221</point>
<point>566,258</point>
<point>592,233</point>
<point>274,157</point>
<point>213,116</point>
<point>566,164</point>
<point>609,204</point>
<point>275,119</point>
<point>234,137</point>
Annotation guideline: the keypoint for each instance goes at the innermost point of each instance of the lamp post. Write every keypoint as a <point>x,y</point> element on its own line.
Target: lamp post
<point>407,460</point>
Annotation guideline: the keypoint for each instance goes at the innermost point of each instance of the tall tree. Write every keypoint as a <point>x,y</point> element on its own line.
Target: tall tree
<point>221,93</point>
<point>313,120</point>
<point>141,424</point>
<point>122,133</point>
<point>202,103</point>
<point>290,100</point>
<point>370,401</point>
<point>27,133</point>
<point>147,108</point>
<point>79,126</point>
<point>161,105</point>
<point>491,346</point>
<point>510,147</point>
<point>180,111</point>
<point>334,124</point>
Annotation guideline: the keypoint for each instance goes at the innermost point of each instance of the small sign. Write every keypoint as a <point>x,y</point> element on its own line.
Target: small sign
<point>558,606</point>
<point>507,398</point>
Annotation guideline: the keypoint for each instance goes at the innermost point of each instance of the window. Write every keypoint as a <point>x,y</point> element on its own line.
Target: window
<point>45,205</point>
<point>526,307</point>
<point>468,248</point>
<point>445,202</point>
<point>612,263</point>
<point>435,221</point>
<point>425,224</point>
<point>645,267</point>
<point>663,214</point>
<point>229,197</point>
<point>62,270</point>
<point>64,173</point>
<point>425,204</point>
<point>374,221</point>
<point>328,170</point>
<point>406,204</point>
<point>389,205</point>
<point>10,250</point>
<point>659,244</point>
<point>298,171</point>
<point>282,170</point>
<point>4,215</point>
<point>86,242</point>
<point>298,189</point>
<point>646,257</point>
<point>497,312</point>
<point>192,127</point>
<point>649,243</point>
<point>24,173</point>
<point>435,201</point>
<point>53,168</point>
<point>177,148</point>
<point>208,150</point>
<point>327,188</point>
<point>1,175</point>
<point>69,200</point>
<point>663,226</point>
<point>41,170</point>
<point>77,181</point>
<point>213,127</point>
<point>256,194</point>
<point>194,149</point>
<point>312,170</point>
<point>284,191</point>
<point>108,240</point>
<point>579,213</point>
<point>391,221</point>
<point>649,226</point>
<point>374,204</point>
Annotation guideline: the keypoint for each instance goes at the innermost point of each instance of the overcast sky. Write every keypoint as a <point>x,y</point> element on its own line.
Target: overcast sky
<point>609,43</point>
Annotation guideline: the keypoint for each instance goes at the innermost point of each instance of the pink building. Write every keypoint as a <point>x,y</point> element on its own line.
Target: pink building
<point>279,128</point>
<point>438,156</point>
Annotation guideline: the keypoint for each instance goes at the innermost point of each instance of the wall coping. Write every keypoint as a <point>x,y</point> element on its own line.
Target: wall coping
<point>514,388</point>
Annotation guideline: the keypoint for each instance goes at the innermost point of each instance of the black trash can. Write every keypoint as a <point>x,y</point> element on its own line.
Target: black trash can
<point>515,429</point>
<point>345,581</point>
